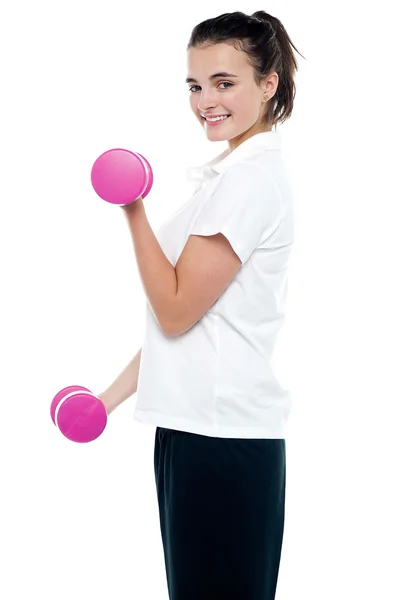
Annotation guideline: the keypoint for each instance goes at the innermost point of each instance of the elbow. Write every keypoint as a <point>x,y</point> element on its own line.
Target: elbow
<point>178,327</point>
<point>171,329</point>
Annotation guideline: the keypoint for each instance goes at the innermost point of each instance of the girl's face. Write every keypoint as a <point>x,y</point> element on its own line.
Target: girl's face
<point>221,82</point>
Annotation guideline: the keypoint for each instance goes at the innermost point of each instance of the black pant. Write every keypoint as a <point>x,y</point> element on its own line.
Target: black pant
<point>221,508</point>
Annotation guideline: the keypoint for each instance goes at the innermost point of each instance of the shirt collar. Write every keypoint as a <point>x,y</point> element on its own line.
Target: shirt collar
<point>266,140</point>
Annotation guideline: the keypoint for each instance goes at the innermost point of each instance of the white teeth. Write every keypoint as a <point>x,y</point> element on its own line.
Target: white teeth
<point>218,118</point>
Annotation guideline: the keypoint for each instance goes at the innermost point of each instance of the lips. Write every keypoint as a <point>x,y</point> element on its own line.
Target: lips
<point>214,116</point>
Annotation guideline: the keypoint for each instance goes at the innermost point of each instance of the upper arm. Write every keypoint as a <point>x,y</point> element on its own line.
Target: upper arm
<point>204,270</point>
<point>243,211</point>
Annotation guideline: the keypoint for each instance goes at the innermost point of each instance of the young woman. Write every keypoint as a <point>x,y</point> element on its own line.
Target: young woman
<point>216,281</point>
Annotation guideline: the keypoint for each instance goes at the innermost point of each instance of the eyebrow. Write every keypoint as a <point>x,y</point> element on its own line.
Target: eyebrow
<point>223,74</point>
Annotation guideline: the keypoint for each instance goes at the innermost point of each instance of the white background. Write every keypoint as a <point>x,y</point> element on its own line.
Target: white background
<point>80,521</point>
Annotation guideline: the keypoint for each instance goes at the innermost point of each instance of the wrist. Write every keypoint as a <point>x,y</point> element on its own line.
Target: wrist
<point>134,207</point>
<point>106,400</point>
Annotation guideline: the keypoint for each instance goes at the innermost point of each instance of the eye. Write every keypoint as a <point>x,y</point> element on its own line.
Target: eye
<point>226,83</point>
<point>221,83</point>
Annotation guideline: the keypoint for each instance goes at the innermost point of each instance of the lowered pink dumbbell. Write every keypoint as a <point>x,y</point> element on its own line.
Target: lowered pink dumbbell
<point>78,414</point>
<point>120,176</point>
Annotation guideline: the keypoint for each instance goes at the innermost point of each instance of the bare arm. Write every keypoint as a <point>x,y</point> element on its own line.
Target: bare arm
<point>124,386</point>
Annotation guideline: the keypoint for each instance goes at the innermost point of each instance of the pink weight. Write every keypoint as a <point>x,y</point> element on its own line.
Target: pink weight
<point>61,394</point>
<point>120,176</point>
<point>79,414</point>
<point>150,176</point>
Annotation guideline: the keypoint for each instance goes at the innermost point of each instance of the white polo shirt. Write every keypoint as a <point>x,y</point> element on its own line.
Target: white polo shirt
<point>216,379</point>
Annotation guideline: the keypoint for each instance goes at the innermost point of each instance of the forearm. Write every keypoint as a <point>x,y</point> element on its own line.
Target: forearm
<point>124,386</point>
<point>157,274</point>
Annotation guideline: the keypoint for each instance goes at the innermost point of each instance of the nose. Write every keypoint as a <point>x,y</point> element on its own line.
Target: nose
<point>206,100</point>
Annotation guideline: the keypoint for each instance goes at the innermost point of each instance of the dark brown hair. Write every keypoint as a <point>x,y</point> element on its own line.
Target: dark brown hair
<point>268,47</point>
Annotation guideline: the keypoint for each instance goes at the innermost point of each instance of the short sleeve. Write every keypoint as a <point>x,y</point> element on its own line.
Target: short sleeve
<point>245,207</point>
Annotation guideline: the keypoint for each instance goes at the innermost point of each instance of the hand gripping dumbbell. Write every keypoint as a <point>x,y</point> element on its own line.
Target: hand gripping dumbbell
<point>78,414</point>
<point>120,176</point>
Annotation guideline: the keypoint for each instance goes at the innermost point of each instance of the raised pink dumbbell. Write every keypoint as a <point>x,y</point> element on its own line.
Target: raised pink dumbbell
<point>120,176</point>
<point>78,414</point>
